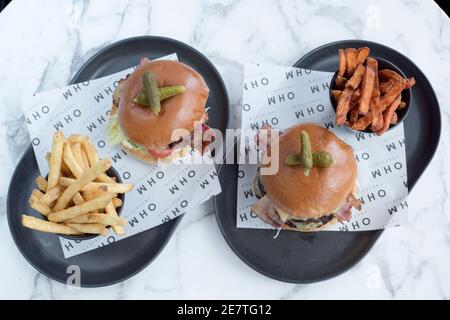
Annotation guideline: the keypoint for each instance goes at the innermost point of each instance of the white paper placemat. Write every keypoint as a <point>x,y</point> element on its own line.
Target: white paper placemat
<point>285,96</point>
<point>160,194</point>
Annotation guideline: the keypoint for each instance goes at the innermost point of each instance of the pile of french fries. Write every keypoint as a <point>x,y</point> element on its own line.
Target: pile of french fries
<point>365,96</point>
<point>78,197</point>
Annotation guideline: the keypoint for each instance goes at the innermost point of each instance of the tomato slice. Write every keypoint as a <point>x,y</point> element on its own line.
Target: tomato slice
<point>160,153</point>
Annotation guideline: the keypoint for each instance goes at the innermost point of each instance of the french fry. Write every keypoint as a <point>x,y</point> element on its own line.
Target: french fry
<point>410,82</point>
<point>36,195</point>
<point>355,80</point>
<point>386,86</point>
<point>55,160</point>
<point>354,114</point>
<point>336,95</point>
<point>46,226</point>
<point>51,195</point>
<point>340,82</point>
<point>388,114</point>
<point>402,105</point>
<point>389,97</point>
<point>78,199</point>
<point>88,176</point>
<point>88,206</point>
<point>93,158</point>
<point>377,116</point>
<point>85,159</point>
<point>76,150</point>
<point>343,106</point>
<point>93,228</point>
<point>109,187</point>
<point>41,208</point>
<point>76,138</point>
<point>41,183</point>
<point>368,81</point>
<point>394,119</point>
<point>117,202</point>
<point>342,63</point>
<point>350,56</point>
<point>390,75</point>
<point>71,162</point>
<point>101,218</point>
<point>362,54</point>
<point>64,170</point>
<point>111,211</point>
<point>362,122</point>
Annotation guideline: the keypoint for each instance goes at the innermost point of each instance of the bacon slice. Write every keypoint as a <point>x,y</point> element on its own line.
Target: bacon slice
<point>265,210</point>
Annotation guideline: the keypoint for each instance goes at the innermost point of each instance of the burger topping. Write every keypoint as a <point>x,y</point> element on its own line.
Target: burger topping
<point>307,158</point>
<point>164,93</point>
<point>151,91</point>
<point>151,96</point>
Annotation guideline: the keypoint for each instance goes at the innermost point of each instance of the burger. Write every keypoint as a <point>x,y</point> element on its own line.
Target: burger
<point>315,184</point>
<point>156,99</point>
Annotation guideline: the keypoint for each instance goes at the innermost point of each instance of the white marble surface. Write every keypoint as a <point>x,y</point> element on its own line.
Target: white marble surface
<point>43,44</point>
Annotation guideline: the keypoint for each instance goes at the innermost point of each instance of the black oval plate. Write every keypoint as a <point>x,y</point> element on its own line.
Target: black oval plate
<point>123,259</point>
<point>309,257</point>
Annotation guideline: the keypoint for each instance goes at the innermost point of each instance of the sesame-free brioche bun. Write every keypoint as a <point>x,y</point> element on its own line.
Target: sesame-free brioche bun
<point>325,189</point>
<point>152,131</point>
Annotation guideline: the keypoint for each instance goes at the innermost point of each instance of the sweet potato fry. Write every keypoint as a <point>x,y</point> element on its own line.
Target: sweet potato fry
<point>343,106</point>
<point>340,82</point>
<point>336,95</point>
<point>377,115</point>
<point>388,114</point>
<point>389,74</point>
<point>362,54</point>
<point>342,63</point>
<point>367,85</point>
<point>355,80</point>
<point>394,119</point>
<point>350,56</point>
<point>386,86</point>
<point>362,122</point>
<point>354,114</point>
<point>410,82</point>
<point>389,97</point>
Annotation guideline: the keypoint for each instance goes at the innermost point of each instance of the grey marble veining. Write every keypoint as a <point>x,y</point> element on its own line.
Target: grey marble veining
<point>44,43</point>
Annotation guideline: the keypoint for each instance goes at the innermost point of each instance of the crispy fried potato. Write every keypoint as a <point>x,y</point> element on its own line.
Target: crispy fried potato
<point>55,161</point>
<point>70,161</point>
<point>101,218</point>
<point>88,176</point>
<point>108,187</point>
<point>343,106</point>
<point>78,199</point>
<point>394,119</point>
<point>93,228</point>
<point>342,63</point>
<point>46,226</point>
<point>41,183</point>
<point>362,122</point>
<point>111,210</point>
<point>88,206</point>
<point>41,208</point>
<point>340,82</point>
<point>367,85</point>
<point>389,97</point>
<point>350,56</point>
<point>355,80</point>
<point>336,95</point>
<point>51,195</point>
<point>388,114</point>
<point>362,54</point>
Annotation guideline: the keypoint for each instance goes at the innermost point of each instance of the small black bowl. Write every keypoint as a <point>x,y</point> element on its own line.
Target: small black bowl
<point>112,173</point>
<point>406,94</point>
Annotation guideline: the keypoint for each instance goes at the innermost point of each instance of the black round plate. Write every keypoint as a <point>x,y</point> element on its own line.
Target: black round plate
<point>309,257</point>
<point>123,259</point>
